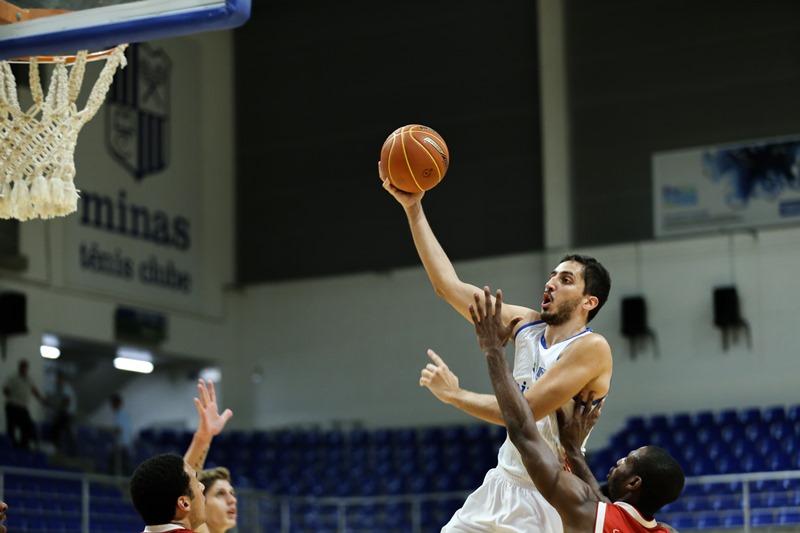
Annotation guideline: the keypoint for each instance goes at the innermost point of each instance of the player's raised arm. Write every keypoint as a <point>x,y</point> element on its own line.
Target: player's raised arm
<point>437,264</point>
<point>210,424</point>
<point>572,432</point>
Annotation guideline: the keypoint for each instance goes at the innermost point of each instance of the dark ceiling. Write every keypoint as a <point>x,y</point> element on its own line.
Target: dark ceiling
<point>319,87</point>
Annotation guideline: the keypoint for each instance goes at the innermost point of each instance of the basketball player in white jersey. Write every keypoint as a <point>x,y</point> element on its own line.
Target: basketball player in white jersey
<point>638,485</point>
<point>557,357</point>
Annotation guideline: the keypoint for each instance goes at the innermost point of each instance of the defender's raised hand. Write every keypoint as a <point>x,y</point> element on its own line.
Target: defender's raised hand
<point>573,430</point>
<point>211,422</point>
<point>487,317</point>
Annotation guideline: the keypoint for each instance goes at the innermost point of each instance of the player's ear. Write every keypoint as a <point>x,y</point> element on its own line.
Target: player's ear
<point>184,504</point>
<point>634,484</point>
<point>590,302</point>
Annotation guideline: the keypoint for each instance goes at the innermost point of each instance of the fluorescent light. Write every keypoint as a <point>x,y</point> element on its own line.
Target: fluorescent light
<point>211,373</point>
<point>49,352</point>
<point>133,365</point>
<point>48,339</point>
<point>127,352</point>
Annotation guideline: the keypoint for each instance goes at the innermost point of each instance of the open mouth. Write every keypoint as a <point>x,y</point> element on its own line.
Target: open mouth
<point>547,299</point>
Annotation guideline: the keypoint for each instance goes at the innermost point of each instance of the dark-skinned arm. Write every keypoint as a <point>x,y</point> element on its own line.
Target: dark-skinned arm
<point>572,434</point>
<point>571,497</point>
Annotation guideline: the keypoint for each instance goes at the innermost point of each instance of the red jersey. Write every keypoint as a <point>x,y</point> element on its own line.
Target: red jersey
<point>621,517</point>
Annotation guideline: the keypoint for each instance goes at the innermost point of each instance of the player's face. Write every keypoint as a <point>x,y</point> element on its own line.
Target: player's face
<point>197,512</point>
<point>563,293</point>
<point>220,506</point>
<point>620,474</point>
<point>3,509</point>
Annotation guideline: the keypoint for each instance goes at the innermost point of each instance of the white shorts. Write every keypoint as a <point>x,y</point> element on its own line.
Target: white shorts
<point>505,504</point>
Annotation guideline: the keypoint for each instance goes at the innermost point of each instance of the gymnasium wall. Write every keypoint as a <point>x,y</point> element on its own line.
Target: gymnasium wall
<point>668,75</point>
<point>350,349</point>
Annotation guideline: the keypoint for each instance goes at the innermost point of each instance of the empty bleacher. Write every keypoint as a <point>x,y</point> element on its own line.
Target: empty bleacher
<point>742,466</point>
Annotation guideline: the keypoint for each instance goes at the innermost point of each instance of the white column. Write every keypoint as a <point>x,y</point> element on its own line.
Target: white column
<point>555,126</point>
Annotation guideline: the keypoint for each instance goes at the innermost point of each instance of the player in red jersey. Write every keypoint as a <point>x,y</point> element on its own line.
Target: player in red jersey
<point>638,485</point>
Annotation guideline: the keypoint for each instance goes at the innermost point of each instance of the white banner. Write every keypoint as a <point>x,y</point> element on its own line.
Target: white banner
<point>746,185</point>
<point>137,232</point>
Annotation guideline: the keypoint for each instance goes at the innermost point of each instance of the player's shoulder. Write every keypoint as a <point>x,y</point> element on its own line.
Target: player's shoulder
<point>530,317</point>
<point>594,339</point>
<point>593,343</point>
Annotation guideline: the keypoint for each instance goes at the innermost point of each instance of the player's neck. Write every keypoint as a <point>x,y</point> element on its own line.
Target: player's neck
<point>561,332</point>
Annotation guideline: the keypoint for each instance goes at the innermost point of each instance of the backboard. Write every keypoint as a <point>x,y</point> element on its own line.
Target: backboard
<point>56,27</point>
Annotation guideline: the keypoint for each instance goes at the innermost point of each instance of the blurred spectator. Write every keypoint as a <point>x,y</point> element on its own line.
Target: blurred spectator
<point>18,389</point>
<point>63,407</point>
<point>120,459</point>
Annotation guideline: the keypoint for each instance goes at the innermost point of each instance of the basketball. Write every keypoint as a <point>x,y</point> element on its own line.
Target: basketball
<point>415,158</point>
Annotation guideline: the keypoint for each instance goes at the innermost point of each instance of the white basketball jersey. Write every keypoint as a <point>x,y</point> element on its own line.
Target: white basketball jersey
<point>532,358</point>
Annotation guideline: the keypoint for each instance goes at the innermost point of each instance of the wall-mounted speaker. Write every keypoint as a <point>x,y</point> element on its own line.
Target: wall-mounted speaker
<point>634,323</point>
<point>634,316</point>
<point>728,316</point>
<point>13,313</point>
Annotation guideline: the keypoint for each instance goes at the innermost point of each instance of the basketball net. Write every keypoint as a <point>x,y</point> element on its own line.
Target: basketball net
<point>37,146</point>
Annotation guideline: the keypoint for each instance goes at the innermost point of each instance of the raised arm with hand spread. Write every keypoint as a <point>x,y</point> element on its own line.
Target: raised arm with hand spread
<point>572,432</point>
<point>210,424</point>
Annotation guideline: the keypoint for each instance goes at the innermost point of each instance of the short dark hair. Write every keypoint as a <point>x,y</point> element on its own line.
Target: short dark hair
<point>156,485</point>
<point>212,475</point>
<point>596,279</point>
<point>662,477</point>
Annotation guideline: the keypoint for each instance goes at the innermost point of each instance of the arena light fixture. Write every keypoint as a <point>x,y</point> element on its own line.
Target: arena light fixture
<point>134,360</point>
<point>49,348</point>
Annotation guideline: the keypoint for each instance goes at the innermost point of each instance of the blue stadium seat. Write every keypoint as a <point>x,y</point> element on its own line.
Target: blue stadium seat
<point>727,417</point>
<point>697,503</point>
<point>681,522</point>
<point>750,415</point>
<point>709,434</point>
<point>726,502</point>
<point>658,422</point>
<point>762,518</point>
<point>788,517</point>
<point>776,499</point>
<point>726,464</point>
<point>774,413</point>
<point>702,466</point>
<point>732,432</point>
<point>733,520</point>
<point>708,521</point>
<point>703,419</point>
<point>635,423</point>
<point>681,421</point>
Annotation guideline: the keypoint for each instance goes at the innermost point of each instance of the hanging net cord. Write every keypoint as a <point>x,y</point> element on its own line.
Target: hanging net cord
<point>37,146</point>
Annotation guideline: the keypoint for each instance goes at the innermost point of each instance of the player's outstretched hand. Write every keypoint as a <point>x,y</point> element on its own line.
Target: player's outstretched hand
<point>439,379</point>
<point>406,199</point>
<point>211,421</point>
<point>489,328</point>
<point>573,430</point>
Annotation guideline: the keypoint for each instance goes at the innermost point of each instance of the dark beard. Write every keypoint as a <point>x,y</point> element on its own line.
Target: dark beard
<point>561,315</point>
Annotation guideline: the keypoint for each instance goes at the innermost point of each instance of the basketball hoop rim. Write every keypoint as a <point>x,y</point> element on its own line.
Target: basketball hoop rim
<point>67,59</point>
